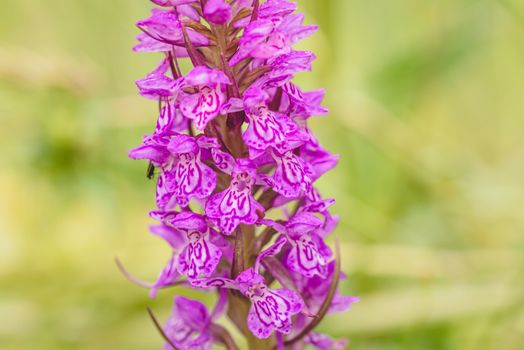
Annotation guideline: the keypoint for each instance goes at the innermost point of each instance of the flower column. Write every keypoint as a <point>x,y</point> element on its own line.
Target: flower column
<point>236,168</point>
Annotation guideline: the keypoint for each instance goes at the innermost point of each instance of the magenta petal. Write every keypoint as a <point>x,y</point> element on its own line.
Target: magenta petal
<point>291,177</point>
<point>168,276</point>
<point>170,119</point>
<point>257,326</point>
<point>217,11</point>
<point>164,26</point>
<point>182,144</point>
<point>164,191</point>
<point>306,257</point>
<point>272,311</point>
<point>193,312</point>
<point>148,44</point>
<point>224,161</point>
<point>171,235</point>
<point>155,153</point>
<point>188,220</point>
<point>231,208</point>
<point>323,342</point>
<point>274,249</point>
<point>214,282</point>
<point>303,222</point>
<point>236,204</point>
<point>169,3</point>
<point>188,326</point>
<point>200,256</point>
<point>192,178</point>
<point>202,106</point>
<point>202,76</point>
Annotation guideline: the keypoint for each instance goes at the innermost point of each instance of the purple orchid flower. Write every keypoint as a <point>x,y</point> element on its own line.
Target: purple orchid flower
<point>292,177</point>
<point>303,104</point>
<point>153,148</point>
<point>157,85</point>
<point>204,105</point>
<point>201,252</point>
<point>170,119</point>
<point>217,11</point>
<point>188,326</point>
<point>309,255</point>
<point>236,204</point>
<point>196,248</point>
<point>165,27</point>
<point>273,34</point>
<point>267,128</point>
<point>271,310</point>
<point>184,175</point>
<point>187,176</point>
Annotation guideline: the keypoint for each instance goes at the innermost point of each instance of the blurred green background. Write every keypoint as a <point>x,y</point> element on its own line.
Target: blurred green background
<point>427,103</point>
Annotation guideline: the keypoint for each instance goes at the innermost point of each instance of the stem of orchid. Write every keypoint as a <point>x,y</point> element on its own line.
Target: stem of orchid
<point>238,255</point>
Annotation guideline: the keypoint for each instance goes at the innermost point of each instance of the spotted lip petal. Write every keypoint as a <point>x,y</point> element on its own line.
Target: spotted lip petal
<point>271,309</point>
<point>200,256</point>
<point>266,129</point>
<point>186,176</point>
<point>204,105</point>
<point>236,204</point>
<point>308,256</point>
<point>292,176</point>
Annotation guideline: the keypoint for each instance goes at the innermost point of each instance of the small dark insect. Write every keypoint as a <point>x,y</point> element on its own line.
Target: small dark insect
<point>150,171</point>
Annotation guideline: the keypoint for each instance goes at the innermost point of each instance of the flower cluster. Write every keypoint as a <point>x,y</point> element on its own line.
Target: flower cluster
<point>236,167</point>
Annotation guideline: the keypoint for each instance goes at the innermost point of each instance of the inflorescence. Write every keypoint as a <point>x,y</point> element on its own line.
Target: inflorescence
<point>236,166</point>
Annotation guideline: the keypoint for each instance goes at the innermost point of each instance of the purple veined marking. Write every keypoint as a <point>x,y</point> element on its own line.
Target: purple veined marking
<point>293,92</point>
<point>306,258</point>
<point>235,204</point>
<point>264,129</point>
<point>200,256</point>
<point>290,176</point>
<point>208,106</point>
<point>271,310</point>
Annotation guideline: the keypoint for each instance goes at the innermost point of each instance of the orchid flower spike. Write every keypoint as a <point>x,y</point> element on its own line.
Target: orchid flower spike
<point>232,151</point>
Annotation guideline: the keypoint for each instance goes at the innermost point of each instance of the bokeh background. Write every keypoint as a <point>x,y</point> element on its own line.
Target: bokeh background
<point>427,103</point>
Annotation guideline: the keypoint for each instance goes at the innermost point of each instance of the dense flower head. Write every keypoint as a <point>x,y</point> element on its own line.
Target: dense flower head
<point>236,168</point>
